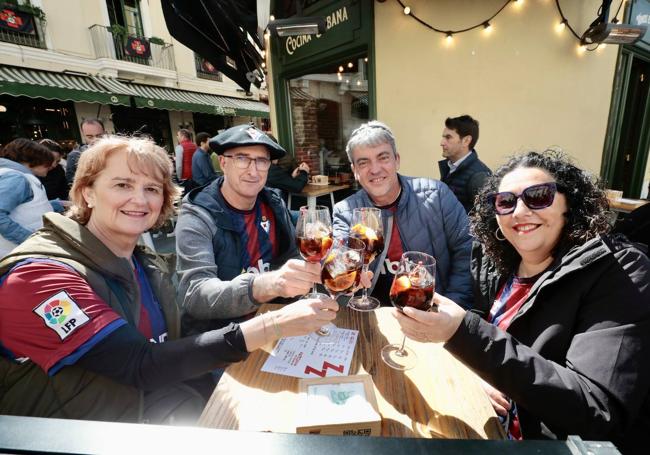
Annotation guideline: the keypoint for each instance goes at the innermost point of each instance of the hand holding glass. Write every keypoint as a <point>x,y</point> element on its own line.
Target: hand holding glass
<point>414,285</point>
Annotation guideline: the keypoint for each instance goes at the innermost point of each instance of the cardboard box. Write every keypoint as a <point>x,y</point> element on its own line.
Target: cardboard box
<point>338,405</point>
<point>320,180</point>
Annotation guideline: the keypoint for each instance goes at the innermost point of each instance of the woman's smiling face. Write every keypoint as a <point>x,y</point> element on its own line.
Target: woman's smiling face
<point>533,233</point>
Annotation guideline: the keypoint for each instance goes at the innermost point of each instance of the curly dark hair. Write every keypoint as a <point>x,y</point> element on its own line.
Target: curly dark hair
<point>586,217</point>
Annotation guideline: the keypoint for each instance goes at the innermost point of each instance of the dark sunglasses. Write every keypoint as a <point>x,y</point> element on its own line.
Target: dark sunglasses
<point>535,197</point>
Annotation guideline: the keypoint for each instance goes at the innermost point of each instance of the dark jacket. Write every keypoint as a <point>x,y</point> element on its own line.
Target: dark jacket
<point>74,392</point>
<point>467,180</point>
<point>213,284</point>
<point>55,183</point>
<point>202,170</point>
<point>575,357</point>
<point>280,178</point>
<point>430,220</point>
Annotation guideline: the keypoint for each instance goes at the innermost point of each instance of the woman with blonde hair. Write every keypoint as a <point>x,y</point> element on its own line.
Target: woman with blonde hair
<point>94,313</point>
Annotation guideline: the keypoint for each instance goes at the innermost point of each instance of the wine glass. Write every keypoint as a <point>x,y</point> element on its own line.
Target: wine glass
<point>367,226</point>
<point>342,270</point>
<point>314,237</point>
<point>413,285</point>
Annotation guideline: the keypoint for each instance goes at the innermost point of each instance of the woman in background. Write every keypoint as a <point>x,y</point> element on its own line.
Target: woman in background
<point>24,200</point>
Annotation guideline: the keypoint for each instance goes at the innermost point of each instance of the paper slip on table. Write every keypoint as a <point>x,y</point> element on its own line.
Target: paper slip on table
<point>439,398</point>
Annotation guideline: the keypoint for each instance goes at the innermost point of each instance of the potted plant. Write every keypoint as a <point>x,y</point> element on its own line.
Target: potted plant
<point>28,8</point>
<point>156,40</point>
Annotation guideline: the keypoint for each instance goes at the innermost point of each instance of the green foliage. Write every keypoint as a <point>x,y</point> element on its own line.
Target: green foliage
<point>156,40</point>
<point>28,8</point>
<point>119,30</point>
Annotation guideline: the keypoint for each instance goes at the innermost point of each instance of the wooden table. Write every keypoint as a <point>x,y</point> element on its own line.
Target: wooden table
<point>439,398</point>
<point>625,205</point>
<point>311,192</point>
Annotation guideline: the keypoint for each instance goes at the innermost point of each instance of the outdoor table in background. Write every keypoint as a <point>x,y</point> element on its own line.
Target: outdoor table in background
<point>625,205</point>
<point>311,192</point>
<point>439,398</point>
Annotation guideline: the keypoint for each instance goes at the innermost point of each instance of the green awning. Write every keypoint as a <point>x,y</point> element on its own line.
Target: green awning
<point>183,100</point>
<point>56,86</point>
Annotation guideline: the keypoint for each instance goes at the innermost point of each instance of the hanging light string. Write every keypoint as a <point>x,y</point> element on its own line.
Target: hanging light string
<point>565,21</point>
<point>484,23</point>
<point>618,10</point>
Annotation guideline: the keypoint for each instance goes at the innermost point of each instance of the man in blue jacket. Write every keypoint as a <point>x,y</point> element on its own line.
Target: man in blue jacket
<point>235,241</point>
<point>418,214</point>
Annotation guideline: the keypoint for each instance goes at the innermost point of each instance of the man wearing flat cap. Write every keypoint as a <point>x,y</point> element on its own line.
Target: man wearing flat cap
<point>234,238</point>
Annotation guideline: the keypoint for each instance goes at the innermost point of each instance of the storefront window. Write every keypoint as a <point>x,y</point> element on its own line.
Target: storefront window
<point>326,106</point>
<point>37,119</point>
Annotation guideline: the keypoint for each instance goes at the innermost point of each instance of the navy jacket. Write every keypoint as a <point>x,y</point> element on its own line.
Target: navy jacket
<point>467,180</point>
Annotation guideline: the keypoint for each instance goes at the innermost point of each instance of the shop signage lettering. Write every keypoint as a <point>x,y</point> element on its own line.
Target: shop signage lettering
<point>335,18</point>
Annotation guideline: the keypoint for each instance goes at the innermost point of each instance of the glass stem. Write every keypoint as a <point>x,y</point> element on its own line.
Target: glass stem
<point>402,351</point>
<point>364,293</point>
<point>314,291</point>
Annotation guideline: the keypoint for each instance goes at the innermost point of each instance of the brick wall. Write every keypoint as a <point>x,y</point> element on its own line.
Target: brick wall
<point>305,132</point>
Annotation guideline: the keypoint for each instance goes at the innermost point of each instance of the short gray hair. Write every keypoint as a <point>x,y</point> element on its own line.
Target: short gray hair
<point>369,135</point>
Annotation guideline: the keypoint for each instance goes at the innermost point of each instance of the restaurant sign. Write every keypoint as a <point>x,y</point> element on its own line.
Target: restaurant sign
<point>341,21</point>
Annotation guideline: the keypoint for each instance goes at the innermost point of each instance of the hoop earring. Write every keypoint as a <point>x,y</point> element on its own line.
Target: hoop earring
<point>496,234</point>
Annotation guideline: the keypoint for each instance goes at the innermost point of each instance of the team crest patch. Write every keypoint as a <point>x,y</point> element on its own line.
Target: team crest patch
<point>61,314</point>
<point>266,224</point>
<point>254,134</point>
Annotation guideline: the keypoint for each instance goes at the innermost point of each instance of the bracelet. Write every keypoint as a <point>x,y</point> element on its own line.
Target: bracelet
<point>266,336</point>
<point>276,327</point>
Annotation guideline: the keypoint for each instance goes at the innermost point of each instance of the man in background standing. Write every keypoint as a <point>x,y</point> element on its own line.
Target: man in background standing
<point>462,171</point>
<point>184,152</point>
<point>92,129</point>
<point>202,170</point>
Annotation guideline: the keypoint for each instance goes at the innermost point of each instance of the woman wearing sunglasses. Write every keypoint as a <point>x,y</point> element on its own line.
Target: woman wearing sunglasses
<point>561,334</point>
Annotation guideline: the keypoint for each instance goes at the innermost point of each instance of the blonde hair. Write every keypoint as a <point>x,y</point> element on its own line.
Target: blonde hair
<point>142,155</point>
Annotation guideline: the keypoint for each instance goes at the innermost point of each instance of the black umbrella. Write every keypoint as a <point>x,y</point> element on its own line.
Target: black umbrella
<point>219,30</point>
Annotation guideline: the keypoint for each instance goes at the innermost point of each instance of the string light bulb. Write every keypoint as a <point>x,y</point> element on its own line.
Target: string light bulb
<point>350,65</point>
<point>263,65</point>
<point>561,26</point>
<point>407,10</point>
<point>581,49</point>
<point>449,38</point>
<point>271,18</point>
<point>487,27</point>
<point>341,68</point>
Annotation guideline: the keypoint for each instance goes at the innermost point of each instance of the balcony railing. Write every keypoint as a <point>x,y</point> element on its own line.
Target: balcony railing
<point>20,28</point>
<point>205,70</point>
<point>129,48</point>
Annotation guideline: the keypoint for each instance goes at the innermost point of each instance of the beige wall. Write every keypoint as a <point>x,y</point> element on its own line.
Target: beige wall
<point>526,84</point>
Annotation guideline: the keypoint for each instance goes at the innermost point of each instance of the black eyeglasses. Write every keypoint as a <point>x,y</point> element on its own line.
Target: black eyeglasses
<point>243,162</point>
<point>535,197</point>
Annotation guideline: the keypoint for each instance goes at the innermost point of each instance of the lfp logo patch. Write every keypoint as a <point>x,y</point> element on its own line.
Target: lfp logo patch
<point>61,314</point>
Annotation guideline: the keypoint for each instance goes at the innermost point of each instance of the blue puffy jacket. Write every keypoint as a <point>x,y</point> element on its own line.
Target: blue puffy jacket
<point>430,220</point>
